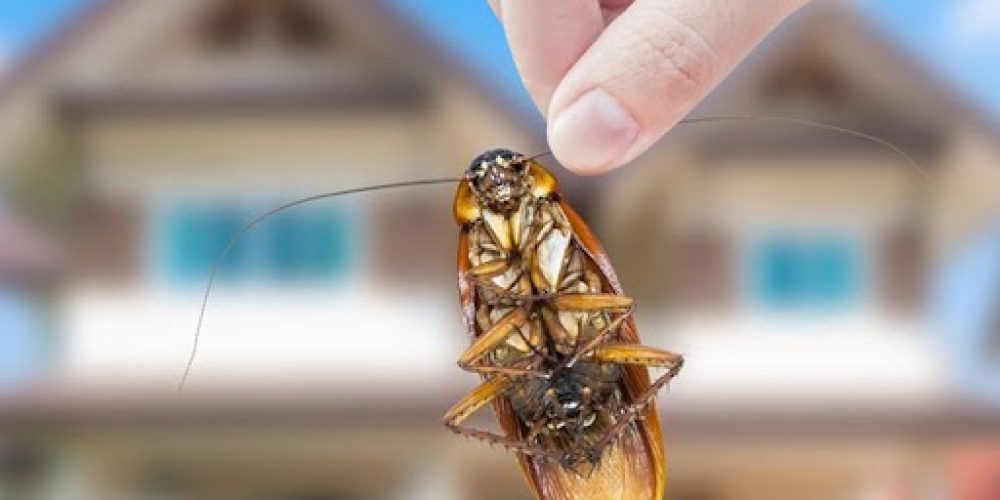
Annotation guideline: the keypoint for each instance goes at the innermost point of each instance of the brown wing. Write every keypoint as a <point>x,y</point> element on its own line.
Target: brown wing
<point>636,377</point>
<point>506,418</point>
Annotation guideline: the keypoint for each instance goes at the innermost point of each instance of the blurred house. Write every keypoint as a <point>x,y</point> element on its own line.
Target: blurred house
<point>788,263</point>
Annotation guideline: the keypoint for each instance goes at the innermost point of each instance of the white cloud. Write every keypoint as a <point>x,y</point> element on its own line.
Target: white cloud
<point>974,23</point>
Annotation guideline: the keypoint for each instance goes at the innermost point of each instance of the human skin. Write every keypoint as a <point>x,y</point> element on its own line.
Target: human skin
<point>613,76</point>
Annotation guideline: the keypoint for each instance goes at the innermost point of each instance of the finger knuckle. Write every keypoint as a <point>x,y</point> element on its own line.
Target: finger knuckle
<point>672,53</point>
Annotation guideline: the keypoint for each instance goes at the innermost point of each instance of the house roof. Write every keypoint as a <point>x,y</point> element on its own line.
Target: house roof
<point>869,48</point>
<point>28,69</point>
<point>29,66</point>
<point>824,14</point>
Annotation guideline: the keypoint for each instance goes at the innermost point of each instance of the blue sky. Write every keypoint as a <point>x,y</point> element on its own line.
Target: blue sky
<point>959,39</point>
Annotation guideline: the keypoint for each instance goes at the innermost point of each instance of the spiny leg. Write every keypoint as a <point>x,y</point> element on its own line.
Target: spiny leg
<point>489,340</point>
<point>497,333</point>
<point>482,273</point>
<point>636,354</point>
<point>591,302</point>
<point>508,296</point>
<point>521,370</point>
<point>476,400</point>
<point>586,302</point>
<point>600,337</point>
<point>490,268</point>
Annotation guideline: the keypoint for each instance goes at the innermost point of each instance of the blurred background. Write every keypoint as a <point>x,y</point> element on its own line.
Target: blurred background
<point>840,311</point>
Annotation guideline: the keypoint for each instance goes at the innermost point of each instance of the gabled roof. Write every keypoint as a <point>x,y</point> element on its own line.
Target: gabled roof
<point>31,68</point>
<point>835,33</point>
<point>27,67</point>
<point>820,17</point>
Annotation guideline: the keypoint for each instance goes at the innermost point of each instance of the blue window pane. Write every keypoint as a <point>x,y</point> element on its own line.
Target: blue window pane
<point>292,247</point>
<point>309,246</point>
<point>283,245</point>
<point>335,250</point>
<point>196,236</point>
<point>794,271</point>
<point>779,272</point>
<point>834,274</point>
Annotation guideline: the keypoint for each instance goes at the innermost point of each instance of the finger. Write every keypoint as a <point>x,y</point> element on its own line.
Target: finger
<point>646,71</point>
<point>611,9</point>
<point>547,37</point>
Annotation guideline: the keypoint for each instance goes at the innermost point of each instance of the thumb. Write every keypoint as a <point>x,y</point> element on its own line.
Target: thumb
<point>647,70</point>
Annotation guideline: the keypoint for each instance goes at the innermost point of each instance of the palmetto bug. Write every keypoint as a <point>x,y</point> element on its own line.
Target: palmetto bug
<point>553,339</point>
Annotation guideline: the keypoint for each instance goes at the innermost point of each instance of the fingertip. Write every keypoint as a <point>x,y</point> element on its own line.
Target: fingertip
<point>593,134</point>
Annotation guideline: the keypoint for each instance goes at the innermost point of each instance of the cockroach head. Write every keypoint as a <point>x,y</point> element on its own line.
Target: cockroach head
<point>499,179</point>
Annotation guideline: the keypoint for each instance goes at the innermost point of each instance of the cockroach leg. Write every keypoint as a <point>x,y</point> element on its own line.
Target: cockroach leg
<point>531,345</point>
<point>672,362</point>
<point>600,337</point>
<point>512,371</point>
<point>490,269</point>
<point>476,400</point>
<point>556,330</point>
<point>484,282</point>
<point>638,354</point>
<point>608,302</point>
<point>497,333</point>
<point>617,352</point>
<point>501,295</point>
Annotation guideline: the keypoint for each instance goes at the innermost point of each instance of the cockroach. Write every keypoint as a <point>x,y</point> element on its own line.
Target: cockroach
<point>553,337</point>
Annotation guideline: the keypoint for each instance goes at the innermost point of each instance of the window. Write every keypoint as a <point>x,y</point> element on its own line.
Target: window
<point>196,237</point>
<point>790,271</point>
<point>305,246</point>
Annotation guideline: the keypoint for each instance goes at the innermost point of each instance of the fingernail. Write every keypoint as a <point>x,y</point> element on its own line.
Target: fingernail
<point>593,133</point>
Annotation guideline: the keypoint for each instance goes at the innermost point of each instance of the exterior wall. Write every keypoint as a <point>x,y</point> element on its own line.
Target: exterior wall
<point>967,194</point>
<point>380,461</point>
<point>139,168</point>
<point>690,219</point>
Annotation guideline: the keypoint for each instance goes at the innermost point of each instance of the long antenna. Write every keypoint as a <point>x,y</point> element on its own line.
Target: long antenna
<point>801,122</point>
<point>912,163</point>
<point>814,124</point>
<point>266,215</point>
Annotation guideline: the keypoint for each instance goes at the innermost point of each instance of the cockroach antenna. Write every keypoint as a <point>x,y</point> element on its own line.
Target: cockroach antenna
<point>909,160</point>
<point>912,163</point>
<point>235,238</point>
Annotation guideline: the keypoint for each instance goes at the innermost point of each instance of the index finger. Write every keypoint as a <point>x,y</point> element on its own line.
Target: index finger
<point>546,38</point>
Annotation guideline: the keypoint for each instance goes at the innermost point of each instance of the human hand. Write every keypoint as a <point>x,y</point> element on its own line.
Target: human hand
<point>613,76</point>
